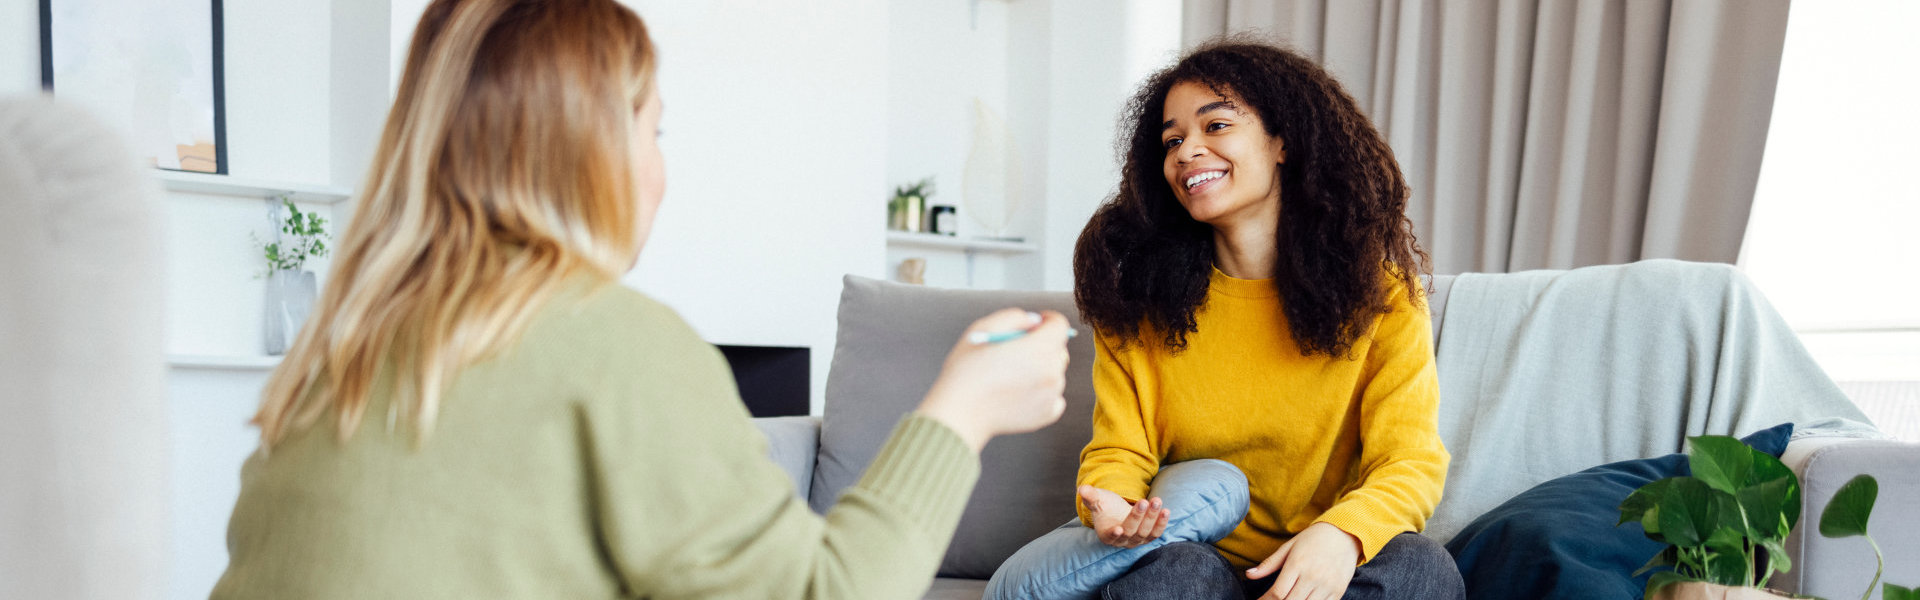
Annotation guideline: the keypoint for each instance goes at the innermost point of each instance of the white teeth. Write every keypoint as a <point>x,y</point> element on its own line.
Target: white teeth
<point>1203,178</point>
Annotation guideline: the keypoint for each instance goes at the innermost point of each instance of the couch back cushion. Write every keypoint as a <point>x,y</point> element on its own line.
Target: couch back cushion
<point>892,341</point>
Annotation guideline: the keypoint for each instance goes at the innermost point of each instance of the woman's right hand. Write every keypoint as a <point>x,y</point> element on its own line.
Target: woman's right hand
<point>1002,388</point>
<point>1123,524</point>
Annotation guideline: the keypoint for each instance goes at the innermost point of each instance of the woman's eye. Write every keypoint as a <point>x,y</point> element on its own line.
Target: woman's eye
<point>1216,126</point>
<point>1171,143</point>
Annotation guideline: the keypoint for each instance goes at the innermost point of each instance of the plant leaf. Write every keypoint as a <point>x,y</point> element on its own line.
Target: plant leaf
<point>1894,592</point>
<point>1642,500</point>
<point>1730,568</point>
<point>1767,468</point>
<point>1846,515</point>
<point>1688,514</point>
<point>1764,504</point>
<point>1776,552</point>
<point>1720,461</point>
<point>1650,523</point>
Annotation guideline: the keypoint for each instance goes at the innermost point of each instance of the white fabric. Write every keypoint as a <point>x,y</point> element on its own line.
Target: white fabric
<point>1551,134</point>
<point>83,452</point>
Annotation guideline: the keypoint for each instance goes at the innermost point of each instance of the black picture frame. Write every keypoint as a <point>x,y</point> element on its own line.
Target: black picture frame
<point>217,69</point>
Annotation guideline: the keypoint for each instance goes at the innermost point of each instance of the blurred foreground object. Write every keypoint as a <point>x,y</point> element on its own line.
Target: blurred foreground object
<point>83,446</point>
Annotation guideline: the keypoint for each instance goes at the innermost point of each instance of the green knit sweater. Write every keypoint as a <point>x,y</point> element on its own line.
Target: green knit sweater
<point>605,455</point>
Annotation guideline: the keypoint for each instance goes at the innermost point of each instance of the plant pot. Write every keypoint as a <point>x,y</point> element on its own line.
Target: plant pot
<point>1710,591</point>
<point>905,213</point>
<point>289,298</point>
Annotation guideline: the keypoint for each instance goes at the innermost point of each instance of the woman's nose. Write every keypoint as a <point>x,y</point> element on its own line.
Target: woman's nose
<point>1191,150</point>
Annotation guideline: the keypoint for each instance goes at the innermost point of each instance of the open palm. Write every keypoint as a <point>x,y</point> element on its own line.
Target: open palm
<point>1121,523</point>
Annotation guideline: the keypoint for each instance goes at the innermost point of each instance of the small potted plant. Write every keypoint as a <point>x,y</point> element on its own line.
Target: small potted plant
<point>908,206</point>
<point>1725,526</point>
<point>1846,516</point>
<point>298,237</point>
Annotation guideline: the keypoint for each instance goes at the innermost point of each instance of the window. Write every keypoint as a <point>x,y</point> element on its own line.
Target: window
<point>1834,240</point>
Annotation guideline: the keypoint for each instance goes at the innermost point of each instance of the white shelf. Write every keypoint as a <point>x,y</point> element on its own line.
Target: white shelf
<point>956,244</point>
<point>223,185</point>
<point>223,363</point>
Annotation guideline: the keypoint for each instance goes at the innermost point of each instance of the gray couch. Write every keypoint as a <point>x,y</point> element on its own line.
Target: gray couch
<point>892,339</point>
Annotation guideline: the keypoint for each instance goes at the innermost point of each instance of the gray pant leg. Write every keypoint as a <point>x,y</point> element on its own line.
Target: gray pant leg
<point>1410,567</point>
<point>1177,571</point>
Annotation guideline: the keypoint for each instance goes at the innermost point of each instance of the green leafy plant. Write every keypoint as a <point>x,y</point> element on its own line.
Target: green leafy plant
<point>922,188</point>
<point>1846,516</point>
<point>302,236</point>
<point>1726,524</point>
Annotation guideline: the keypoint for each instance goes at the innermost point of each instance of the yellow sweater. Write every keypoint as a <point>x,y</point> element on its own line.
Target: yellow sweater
<point>1351,442</point>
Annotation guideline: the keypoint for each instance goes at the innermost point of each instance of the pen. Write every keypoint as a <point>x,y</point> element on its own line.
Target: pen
<point>982,337</point>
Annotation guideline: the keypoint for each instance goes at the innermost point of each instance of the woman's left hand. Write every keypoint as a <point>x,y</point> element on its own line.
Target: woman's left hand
<point>1317,564</point>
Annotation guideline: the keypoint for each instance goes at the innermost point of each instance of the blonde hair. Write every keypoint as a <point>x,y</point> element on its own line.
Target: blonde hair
<point>503,170</point>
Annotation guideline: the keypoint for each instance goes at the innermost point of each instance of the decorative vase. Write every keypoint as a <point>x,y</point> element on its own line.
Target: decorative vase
<point>289,298</point>
<point>1694,590</point>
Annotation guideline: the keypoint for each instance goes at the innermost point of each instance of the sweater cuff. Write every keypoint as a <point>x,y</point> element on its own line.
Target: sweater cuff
<point>1370,524</point>
<point>926,471</point>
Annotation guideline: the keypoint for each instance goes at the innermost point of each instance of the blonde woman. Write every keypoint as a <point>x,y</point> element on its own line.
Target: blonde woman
<point>478,409</point>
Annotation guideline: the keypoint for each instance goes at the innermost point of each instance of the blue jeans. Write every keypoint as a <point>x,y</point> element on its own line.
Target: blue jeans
<point>1409,567</point>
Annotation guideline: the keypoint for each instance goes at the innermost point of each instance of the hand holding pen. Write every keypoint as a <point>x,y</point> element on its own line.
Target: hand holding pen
<point>1005,375</point>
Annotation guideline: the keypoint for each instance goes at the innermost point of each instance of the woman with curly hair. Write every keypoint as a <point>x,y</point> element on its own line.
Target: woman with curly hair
<point>1254,287</point>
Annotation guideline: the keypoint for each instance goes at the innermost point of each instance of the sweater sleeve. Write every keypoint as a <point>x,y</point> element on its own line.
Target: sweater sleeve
<point>688,505</point>
<point>1403,463</point>
<point>1121,457</point>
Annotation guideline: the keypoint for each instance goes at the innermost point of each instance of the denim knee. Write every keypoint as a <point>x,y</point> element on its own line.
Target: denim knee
<point>1187,557</point>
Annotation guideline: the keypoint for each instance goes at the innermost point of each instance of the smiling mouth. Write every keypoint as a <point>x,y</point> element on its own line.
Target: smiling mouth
<point>1201,178</point>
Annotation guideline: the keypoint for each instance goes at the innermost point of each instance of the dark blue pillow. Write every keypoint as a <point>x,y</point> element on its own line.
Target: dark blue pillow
<point>1558,540</point>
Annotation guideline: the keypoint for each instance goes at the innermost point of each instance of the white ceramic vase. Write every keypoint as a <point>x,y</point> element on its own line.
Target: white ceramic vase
<point>290,296</point>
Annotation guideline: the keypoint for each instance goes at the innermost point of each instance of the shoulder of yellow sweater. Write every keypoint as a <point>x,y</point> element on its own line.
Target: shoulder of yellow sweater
<point>1397,291</point>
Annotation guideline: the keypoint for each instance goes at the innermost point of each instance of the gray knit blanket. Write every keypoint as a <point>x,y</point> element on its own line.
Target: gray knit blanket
<point>1545,373</point>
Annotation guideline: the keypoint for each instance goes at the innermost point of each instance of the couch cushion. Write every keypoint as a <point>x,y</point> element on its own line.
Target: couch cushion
<point>1559,539</point>
<point>892,341</point>
<point>792,443</point>
<point>956,589</point>
<point>1441,286</point>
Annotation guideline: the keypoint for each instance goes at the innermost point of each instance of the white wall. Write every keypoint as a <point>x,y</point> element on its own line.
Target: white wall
<point>1096,52</point>
<point>210,439</point>
<point>19,46</point>
<point>775,135</point>
<point>943,56</point>
<point>940,61</point>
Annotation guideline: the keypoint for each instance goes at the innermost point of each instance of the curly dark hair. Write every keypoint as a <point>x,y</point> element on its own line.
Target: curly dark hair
<point>1344,238</point>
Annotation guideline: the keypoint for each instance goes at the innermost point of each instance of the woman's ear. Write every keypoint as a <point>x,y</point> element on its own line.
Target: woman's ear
<point>1279,151</point>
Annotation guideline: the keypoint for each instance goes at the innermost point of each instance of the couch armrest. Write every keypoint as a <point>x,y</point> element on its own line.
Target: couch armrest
<point>792,443</point>
<point>1842,568</point>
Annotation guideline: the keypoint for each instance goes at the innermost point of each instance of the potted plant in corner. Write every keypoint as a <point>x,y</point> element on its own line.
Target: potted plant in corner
<point>298,236</point>
<point>1725,526</point>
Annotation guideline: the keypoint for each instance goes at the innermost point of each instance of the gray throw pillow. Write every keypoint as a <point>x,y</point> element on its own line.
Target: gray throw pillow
<point>891,343</point>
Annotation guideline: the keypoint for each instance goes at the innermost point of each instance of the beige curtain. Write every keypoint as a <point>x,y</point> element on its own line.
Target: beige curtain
<point>1551,133</point>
